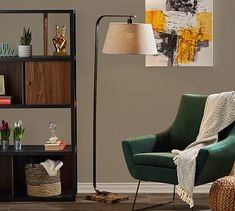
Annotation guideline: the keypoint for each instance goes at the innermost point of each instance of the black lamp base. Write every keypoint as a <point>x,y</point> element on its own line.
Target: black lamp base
<point>106,197</point>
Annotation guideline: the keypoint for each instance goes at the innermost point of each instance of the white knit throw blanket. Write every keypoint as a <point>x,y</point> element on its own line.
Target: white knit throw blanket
<point>219,112</point>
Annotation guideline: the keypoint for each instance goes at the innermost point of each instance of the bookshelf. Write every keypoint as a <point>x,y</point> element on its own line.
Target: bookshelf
<point>27,81</point>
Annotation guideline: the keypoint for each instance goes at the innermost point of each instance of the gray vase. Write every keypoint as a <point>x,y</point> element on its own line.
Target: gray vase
<point>5,144</point>
<point>17,145</point>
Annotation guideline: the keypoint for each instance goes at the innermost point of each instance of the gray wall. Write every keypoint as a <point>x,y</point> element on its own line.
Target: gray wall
<point>133,100</point>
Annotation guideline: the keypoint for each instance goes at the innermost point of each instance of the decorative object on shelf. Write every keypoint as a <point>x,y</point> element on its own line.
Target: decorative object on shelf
<point>183,32</point>
<point>5,133</point>
<point>52,127</point>
<point>122,38</point>
<point>39,183</point>
<point>2,85</point>
<point>18,133</point>
<point>6,50</point>
<point>25,47</point>
<point>54,144</point>
<point>59,145</point>
<point>59,41</point>
<point>222,194</point>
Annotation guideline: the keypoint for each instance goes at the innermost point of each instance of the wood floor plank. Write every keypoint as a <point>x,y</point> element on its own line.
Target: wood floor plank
<point>201,201</point>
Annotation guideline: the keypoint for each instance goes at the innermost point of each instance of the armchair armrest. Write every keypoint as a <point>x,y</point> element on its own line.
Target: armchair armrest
<point>135,145</point>
<point>140,144</point>
<point>143,144</point>
<point>215,161</point>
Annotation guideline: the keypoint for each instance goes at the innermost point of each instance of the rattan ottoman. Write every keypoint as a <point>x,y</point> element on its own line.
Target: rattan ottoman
<point>222,194</point>
<point>39,183</point>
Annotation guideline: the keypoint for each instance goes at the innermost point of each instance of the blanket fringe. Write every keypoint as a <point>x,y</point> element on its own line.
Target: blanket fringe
<point>184,196</point>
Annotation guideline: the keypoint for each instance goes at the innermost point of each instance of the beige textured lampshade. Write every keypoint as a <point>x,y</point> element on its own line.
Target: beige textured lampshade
<point>124,38</point>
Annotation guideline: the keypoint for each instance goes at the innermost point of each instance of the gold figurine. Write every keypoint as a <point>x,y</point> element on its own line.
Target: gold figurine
<point>60,42</point>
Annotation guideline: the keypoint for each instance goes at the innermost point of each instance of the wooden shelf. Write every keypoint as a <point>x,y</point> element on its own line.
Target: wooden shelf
<point>35,150</point>
<point>36,11</point>
<point>21,106</point>
<point>36,58</point>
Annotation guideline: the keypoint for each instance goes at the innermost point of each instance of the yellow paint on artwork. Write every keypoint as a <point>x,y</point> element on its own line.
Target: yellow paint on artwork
<point>204,22</point>
<point>187,45</point>
<point>157,18</point>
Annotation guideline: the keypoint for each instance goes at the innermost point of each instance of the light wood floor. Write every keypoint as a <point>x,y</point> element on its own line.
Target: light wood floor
<point>81,204</point>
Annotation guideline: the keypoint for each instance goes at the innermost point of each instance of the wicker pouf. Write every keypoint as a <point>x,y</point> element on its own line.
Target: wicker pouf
<point>222,194</point>
<point>39,183</point>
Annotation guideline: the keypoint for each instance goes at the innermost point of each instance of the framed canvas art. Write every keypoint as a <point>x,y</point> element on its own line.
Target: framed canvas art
<point>183,31</point>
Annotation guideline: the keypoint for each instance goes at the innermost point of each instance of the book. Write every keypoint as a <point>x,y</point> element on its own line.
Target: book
<point>5,100</point>
<point>59,145</point>
<point>5,97</point>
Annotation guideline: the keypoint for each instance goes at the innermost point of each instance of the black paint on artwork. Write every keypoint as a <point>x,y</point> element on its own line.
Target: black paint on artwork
<point>202,44</point>
<point>182,5</point>
<point>168,46</point>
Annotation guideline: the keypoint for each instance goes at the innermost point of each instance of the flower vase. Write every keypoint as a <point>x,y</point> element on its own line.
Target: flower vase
<point>5,144</point>
<point>17,144</point>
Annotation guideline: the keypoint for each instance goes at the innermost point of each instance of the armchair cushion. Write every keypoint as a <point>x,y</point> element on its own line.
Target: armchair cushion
<point>157,159</point>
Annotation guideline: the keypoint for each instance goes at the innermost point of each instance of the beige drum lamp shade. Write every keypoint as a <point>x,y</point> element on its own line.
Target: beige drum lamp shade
<point>130,38</point>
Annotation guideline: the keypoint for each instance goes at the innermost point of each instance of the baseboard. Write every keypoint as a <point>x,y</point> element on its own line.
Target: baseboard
<point>145,187</point>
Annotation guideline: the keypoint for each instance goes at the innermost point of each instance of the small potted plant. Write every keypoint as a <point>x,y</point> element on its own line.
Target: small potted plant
<point>25,48</point>
<point>5,133</point>
<point>18,133</point>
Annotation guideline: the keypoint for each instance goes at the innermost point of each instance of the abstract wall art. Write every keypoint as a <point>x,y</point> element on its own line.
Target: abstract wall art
<point>183,31</point>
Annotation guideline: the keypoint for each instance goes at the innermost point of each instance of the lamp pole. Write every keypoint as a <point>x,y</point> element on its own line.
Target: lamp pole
<point>96,59</point>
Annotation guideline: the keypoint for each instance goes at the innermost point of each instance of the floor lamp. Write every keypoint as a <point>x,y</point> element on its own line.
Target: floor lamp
<point>122,38</point>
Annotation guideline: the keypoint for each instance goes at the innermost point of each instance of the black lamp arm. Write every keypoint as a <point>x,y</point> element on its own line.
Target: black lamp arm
<point>129,20</point>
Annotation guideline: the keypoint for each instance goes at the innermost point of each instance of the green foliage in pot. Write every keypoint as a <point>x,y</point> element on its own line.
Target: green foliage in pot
<point>26,38</point>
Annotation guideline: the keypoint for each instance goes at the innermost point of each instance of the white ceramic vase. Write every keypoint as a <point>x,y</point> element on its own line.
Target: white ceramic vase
<point>24,50</point>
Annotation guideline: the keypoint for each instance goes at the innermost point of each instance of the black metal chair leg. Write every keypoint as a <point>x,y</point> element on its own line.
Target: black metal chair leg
<point>156,205</point>
<point>136,194</point>
<point>174,194</point>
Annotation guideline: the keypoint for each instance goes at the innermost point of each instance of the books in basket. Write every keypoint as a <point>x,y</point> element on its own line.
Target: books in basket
<point>59,145</point>
<point>5,100</point>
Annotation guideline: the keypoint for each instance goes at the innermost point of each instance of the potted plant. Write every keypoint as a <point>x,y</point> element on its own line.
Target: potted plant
<point>25,48</point>
<point>18,133</point>
<point>5,133</point>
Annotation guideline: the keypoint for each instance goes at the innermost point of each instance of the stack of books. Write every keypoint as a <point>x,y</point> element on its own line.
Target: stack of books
<point>59,145</point>
<point>5,100</point>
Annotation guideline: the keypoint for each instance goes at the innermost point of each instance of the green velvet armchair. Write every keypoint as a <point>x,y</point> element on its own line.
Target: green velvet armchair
<point>149,158</point>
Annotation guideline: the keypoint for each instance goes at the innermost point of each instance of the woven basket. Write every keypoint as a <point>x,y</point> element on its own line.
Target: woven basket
<point>39,183</point>
<point>222,194</point>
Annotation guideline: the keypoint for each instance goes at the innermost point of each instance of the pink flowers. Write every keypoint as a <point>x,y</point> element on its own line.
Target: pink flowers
<point>5,130</point>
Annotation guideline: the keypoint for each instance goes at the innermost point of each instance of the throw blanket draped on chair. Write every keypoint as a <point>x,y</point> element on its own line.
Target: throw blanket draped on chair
<point>219,113</point>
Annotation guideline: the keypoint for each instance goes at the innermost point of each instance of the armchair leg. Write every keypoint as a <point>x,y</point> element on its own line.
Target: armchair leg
<point>156,205</point>
<point>136,194</point>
